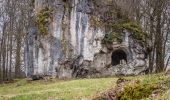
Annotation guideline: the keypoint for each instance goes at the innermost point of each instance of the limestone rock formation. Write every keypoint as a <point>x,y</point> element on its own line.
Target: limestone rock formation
<point>74,49</point>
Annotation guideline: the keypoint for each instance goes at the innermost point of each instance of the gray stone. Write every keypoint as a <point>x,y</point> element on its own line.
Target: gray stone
<point>74,49</point>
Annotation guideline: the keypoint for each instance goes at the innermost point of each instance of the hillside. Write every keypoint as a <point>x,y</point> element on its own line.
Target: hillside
<point>80,89</point>
<point>84,49</point>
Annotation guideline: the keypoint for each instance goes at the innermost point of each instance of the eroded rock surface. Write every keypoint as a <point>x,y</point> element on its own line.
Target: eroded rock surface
<point>74,49</point>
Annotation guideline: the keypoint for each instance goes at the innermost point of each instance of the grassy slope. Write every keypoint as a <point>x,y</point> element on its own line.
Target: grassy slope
<point>164,93</point>
<point>69,90</point>
<point>165,96</point>
<point>65,90</point>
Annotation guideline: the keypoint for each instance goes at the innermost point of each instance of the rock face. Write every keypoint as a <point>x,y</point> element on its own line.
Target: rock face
<point>74,49</point>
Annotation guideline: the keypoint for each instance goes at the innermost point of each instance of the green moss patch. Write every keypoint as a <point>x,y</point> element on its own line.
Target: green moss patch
<point>64,46</point>
<point>112,37</point>
<point>42,20</point>
<point>137,91</point>
<point>136,32</point>
<point>144,88</point>
<point>135,88</point>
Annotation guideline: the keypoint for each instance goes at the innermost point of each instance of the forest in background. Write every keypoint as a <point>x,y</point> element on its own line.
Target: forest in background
<point>17,17</point>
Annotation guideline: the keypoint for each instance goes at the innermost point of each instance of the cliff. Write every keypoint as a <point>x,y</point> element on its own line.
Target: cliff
<point>64,44</point>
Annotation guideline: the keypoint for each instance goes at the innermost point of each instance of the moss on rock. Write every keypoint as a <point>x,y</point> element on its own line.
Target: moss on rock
<point>136,91</point>
<point>64,46</point>
<point>135,30</point>
<point>42,20</point>
<point>112,37</point>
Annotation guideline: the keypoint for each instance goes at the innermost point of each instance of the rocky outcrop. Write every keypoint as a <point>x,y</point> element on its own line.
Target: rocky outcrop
<point>74,49</point>
<point>127,58</point>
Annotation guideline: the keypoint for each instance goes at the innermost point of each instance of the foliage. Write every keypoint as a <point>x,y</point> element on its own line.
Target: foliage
<point>143,88</point>
<point>135,30</point>
<point>116,20</point>
<point>112,37</point>
<point>132,27</point>
<point>137,91</point>
<point>43,19</point>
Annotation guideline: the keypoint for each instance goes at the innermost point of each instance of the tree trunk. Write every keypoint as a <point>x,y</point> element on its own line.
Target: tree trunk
<point>159,40</point>
<point>18,58</point>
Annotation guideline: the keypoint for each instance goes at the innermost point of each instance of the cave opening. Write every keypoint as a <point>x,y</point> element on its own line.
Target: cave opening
<point>118,57</point>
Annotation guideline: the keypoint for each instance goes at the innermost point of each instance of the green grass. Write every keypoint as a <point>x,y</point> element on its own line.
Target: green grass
<point>139,87</point>
<point>55,90</point>
<point>165,96</point>
<point>70,89</point>
<point>144,86</point>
